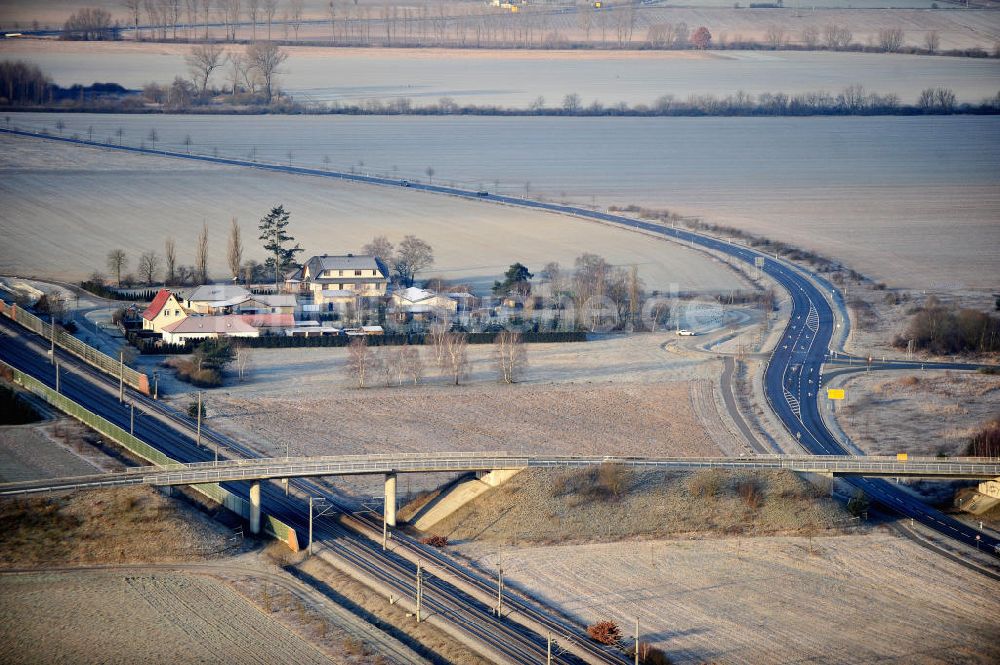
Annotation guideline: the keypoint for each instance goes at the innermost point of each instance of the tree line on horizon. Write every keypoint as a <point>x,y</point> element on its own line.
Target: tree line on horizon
<point>613,25</point>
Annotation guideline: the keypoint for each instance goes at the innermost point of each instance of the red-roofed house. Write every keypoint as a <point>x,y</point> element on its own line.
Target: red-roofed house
<point>164,310</point>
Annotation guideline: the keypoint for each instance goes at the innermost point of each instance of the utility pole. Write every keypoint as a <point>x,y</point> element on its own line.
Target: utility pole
<point>310,548</point>
<point>57,377</point>
<point>156,385</point>
<point>420,589</point>
<point>637,641</point>
<point>198,440</point>
<point>131,419</point>
<point>548,651</point>
<point>500,583</point>
<point>121,376</point>
<point>52,329</point>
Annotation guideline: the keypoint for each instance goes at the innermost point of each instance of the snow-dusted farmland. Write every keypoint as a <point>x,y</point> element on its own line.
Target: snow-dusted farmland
<point>843,599</point>
<point>64,206</point>
<point>517,78</point>
<point>913,201</point>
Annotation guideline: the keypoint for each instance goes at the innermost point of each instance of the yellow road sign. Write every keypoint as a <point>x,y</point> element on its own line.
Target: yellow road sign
<point>901,457</point>
<point>835,393</point>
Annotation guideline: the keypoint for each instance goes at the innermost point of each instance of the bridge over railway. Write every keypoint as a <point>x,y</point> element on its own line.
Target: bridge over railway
<point>256,470</point>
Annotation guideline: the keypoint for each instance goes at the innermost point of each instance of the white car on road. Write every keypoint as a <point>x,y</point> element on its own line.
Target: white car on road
<point>686,333</point>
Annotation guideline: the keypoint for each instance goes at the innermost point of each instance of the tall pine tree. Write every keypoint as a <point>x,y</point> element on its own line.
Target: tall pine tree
<point>272,232</point>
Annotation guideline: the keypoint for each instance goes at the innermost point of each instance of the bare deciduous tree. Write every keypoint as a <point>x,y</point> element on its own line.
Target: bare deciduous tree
<point>270,9</point>
<point>414,255</point>
<point>243,360</point>
<point>810,36</point>
<point>265,58</point>
<point>230,11</point>
<point>661,35</point>
<point>890,39</point>
<point>201,255</point>
<point>295,16</point>
<point>837,37</point>
<point>202,61</point>
<point>170,254</point>
<point>438,337</point>
<point>381,249</point>
<point>384,365</point>
<point>510,355</point>
<point>234,253</point>
<point>149,266</point>
<point>775,36</point>
<point>457,356</point>
<point>253,13</point>
<point>359,360</point>
<point>411,363</point>
<point>932,41</point>
<point>134,7</point>
<point>634,296</point>
<point>238,68</point>
<point>117,262</point>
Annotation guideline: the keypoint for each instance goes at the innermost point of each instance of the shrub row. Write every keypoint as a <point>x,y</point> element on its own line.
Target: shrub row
<point>148,346</point>
<point>103,291</point>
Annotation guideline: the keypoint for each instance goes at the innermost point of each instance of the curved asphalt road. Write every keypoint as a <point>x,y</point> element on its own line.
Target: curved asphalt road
<point>793,378</point>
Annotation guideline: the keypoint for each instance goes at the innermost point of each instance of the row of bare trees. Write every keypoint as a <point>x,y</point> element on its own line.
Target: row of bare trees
<point>412,256</point>
<point>257,67</point>
<point>150,263</point>
<point>168,19</point>
<point>369,365</point>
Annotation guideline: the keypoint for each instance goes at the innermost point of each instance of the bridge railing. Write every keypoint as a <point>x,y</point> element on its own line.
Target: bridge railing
<point>465,461</point>
<point>85,352</point>
<point>142,449</point>
<point>257,461</point>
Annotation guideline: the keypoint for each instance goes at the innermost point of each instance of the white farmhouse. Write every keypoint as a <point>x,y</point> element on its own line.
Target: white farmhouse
<point>195,328</point>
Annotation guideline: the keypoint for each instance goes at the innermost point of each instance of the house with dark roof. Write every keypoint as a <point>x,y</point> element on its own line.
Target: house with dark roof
<point>163,311</point>
<point>334,279</point>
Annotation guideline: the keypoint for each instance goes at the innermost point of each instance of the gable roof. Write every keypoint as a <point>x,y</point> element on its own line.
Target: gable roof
<point>269,320</point>
<point>318,264</point>
<point>228,325</point>
<point>162,296</point>
<point>220,295</point>
<point>276,299</point>
<point>414,294</point>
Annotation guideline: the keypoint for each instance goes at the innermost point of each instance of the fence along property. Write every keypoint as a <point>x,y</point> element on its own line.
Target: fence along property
<point>89,354</point>
<point>133,444</point>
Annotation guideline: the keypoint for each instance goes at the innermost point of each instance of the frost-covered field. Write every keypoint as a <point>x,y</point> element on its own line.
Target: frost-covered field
<point>75,617</point>
<point>913,201</point>
<point>516,78</point>
<point>843,599</point>
<point>958,26</point>
<point>65,206</point>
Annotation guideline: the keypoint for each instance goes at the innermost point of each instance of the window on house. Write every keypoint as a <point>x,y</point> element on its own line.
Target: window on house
<point>357,273</point>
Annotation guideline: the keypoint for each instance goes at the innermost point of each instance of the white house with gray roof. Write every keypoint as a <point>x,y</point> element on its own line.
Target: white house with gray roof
<point>335,279</point>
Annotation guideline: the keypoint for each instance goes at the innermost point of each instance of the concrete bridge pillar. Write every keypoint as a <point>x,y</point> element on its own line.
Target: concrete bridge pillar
<point>390,499</point>
<point>255,507</point>
<point>990,488</point>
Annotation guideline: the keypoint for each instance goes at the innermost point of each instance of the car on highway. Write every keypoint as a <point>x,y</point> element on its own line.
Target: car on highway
<point>404,183</point>
<point>686,333</point>
<point>482,192</point>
